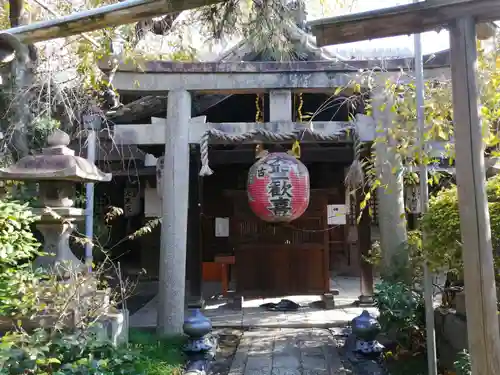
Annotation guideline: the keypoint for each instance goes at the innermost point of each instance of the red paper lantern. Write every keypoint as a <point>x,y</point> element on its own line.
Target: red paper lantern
<point>278,188</point>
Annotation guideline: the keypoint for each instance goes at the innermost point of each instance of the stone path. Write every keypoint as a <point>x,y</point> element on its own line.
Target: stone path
<point>253,316</point>
<point>287,351</point>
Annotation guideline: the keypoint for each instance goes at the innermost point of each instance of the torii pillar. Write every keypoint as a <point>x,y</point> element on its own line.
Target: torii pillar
<point>175,194</point>
<point>477,254</point>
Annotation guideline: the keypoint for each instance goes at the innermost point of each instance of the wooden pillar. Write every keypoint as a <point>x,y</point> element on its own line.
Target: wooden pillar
<point>175,196</point>
<point>194,231</point>
<point>479,275</point>
<point>364,245</point>
<point>391,209</point>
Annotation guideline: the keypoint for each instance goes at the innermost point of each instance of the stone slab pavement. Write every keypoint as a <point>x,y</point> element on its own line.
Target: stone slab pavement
<point>287,351</point>
<point>251,315</point>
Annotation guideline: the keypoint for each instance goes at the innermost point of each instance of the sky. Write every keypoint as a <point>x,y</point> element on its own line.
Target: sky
<point>431,41</point>
<point>401,46</point>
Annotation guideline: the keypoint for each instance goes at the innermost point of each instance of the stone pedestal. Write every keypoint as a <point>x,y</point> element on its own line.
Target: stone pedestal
<point>328,300</point>
<point>365,301</point>
<point>56,244</point>
<point>57,223</point>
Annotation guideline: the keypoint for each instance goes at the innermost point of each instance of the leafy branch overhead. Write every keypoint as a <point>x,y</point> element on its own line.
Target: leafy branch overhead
<point>402,135</point>
<point>65,82</point>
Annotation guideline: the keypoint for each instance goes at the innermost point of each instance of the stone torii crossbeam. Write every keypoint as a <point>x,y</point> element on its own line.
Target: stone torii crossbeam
<point>460,17</point>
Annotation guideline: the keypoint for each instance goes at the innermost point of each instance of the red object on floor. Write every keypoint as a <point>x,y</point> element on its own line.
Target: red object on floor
<point>211,271</point>
<point>224,261</point>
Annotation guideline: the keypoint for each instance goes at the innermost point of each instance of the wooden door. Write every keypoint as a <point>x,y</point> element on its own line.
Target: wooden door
<point>280,259</point>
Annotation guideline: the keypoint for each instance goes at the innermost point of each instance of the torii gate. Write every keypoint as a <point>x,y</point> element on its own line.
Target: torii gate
<point>460,17</point>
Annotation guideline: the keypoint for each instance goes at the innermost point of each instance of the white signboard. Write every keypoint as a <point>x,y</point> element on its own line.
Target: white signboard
<point>221,227</point>
<point>336,214</point>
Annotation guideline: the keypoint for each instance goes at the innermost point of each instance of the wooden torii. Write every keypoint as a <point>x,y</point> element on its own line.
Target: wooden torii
<point>117,14</point>
<point>460,17</point>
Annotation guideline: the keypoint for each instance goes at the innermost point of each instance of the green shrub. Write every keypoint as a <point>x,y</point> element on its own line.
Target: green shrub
<point>18,247</point>
<point>443,242</point>
<point>85,353</point>
<point>61,353</point>
<point>65,346</point>
<point>463,364</point>
<point>402,313</point>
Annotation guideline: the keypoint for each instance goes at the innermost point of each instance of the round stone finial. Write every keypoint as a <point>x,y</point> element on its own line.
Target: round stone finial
<point>58,138</point>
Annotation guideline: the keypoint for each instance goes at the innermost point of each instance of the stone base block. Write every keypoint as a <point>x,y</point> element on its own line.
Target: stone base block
<point>364,301</point>
<point>460,303</point>
<point>116,326</point>
<point>235,300</point>
<point>196,303</point>
<point>328,300</point>
<point>451,337</point>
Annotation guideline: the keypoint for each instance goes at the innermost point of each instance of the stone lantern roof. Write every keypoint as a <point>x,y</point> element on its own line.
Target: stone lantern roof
<point>57,162</point>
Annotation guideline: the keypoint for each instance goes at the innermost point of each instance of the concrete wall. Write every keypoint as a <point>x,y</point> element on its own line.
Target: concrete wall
<point>451,333</point>
<point>451,336</point>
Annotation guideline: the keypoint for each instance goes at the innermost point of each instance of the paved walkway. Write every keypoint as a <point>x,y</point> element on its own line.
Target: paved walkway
<point>287,351</point>
<point>251,315</point>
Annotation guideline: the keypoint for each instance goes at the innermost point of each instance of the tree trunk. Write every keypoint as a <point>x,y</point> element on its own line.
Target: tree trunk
<point>22,73</point>
<point>391,209</point>
<point>18,17</point>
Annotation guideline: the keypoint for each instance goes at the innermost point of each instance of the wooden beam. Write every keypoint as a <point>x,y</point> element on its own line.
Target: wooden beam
<point>401,20</point>
<point>202,103</point>
<point>117,14</point>
<point>151,106</point>
<point>146,106</point>
<point>342,155</point>
<point>479,274</point>
<point>194,248</point>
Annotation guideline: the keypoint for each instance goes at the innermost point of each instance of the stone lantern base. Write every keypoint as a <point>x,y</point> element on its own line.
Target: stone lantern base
<point>56,226</point>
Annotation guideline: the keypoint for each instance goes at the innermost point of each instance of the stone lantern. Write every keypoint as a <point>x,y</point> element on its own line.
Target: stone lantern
<point>56,170</point>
